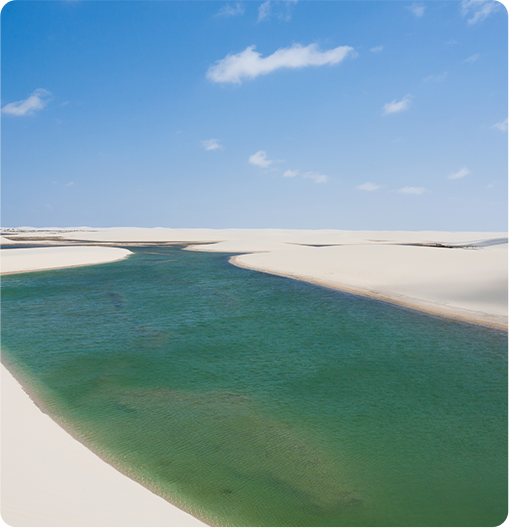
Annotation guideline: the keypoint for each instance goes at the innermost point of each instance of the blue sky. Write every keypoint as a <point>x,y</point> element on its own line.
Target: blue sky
<point>297,114</point>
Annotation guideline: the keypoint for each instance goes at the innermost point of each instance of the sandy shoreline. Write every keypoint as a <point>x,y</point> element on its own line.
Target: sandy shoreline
<point>22,260</point>
<point>48,477</point>
<point>51,479</point>
<point>492,321</point>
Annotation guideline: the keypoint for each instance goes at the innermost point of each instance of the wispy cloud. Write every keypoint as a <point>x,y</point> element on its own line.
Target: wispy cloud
<point>231,10</point>
<point>211,144</point>
<point>377,49</point>
<point>411,190</point>
<point>316,176</point>
<point>478,10</point>
<point>436,78</point>
<point>502,126</point>
<point>264,10</point>
<point>473,58</point>
<point>281,10</point>
<point>417,9</point>
<point>259,159</point>
<point>290,173</point>
<point>250,64</point>
<point>368,186</point>
<point>398,106</point>
<point>36,101</point>
<point>70,184</point>
<point>460,174</point>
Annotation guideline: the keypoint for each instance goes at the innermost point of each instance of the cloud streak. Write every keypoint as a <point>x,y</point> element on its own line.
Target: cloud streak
<point>417,10</point>
<point>316,177</point>
<point>211,144</point>
<point>368,186</point>
<point>478,10</point>
<point>263,11</point>
<point>36,101</point>
<point>411,190</point>
<point>502,126</point>
<point>282,11</point>
<point>472,58</point>
<point>290,173</point>
<point>436,78</point>
<point>398,106</point>
<point>231,10</point>
<point>249,64</point>
<point>460,174</point>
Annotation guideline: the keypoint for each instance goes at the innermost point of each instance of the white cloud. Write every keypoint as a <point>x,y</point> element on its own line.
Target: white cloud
<point>377,49</point>
<point>70,184</point>
<point>398,106</point>
<point>417,10</point>
<point>478,9</point>
<point>460,174</point>
<point>473,58</point>
<point>282,10</point>
<point>211,144</point>
<point>316,176</point>
<point>231,10</point>
<point>290,173</point>
<point>501,126</point>
<point>249,63</point>
<point>411,190</point>
<point>264,10</point>
<point>36,101</point>
<point>436,78</point>
<point>368,186</point>
<point>260,159</point>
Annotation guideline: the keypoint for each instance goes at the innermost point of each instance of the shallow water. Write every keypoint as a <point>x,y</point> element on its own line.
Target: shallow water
<point>251,399</point>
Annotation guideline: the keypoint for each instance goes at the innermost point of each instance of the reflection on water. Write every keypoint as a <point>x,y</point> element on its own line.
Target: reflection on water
<point>256,400</point>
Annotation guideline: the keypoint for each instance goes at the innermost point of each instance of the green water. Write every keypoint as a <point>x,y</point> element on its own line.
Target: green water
<point>250,399</point>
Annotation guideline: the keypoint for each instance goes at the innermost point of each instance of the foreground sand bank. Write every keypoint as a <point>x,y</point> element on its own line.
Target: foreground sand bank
<point>51,479</point>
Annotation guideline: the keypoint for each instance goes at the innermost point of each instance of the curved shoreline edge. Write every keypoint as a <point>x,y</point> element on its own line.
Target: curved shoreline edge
<point>21,260</point>
<point>450,312</point>
<point>50,477</point>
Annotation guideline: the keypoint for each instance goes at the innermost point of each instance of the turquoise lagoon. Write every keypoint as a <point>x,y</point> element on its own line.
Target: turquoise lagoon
<point>254,400</point>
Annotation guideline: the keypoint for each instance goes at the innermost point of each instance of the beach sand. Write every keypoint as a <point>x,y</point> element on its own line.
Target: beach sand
<point>50,479</point>
<point>19,260</point>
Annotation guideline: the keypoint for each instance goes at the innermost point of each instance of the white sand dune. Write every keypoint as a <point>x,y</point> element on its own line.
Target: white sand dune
<point>18,260</point>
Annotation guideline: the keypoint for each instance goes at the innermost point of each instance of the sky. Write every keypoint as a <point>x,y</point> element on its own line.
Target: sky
<point>300,114</point>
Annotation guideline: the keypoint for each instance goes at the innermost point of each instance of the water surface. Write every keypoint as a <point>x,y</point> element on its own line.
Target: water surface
<point>251,399</point>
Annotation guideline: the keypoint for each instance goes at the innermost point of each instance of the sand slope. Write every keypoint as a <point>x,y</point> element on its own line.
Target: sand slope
<point>50,479</point>
<point>18,260</point>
